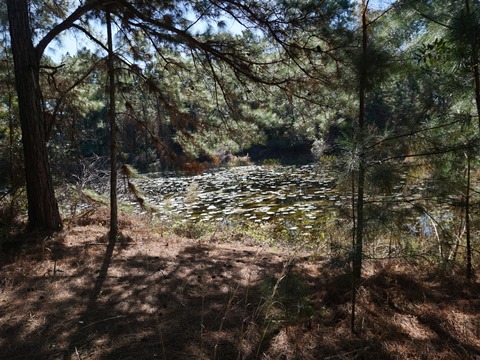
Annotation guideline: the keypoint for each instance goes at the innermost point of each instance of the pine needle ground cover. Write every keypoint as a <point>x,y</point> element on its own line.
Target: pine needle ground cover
<point>156,295</point>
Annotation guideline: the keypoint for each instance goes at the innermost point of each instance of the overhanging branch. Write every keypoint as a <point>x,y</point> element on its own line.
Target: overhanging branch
<point>439,151</point>
<point>67,24</point>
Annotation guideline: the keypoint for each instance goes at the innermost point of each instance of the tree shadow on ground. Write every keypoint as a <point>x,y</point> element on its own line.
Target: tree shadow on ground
<point>139,305</point>
<point>420,318</point>
<point>187,300</point>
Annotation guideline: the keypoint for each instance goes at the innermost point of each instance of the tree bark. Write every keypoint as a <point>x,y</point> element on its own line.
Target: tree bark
<point>359,221</point>
<point>467,221</point>
<point>358,253</point>
<point>43,213</point>
<point>476,82</point>
<point>474,62</point>
<point>113,133</point>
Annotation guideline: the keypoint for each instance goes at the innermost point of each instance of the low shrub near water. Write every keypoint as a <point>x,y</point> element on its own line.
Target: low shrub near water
<point>270,162</point>
<point>219,297</point>
<point>327,237</point>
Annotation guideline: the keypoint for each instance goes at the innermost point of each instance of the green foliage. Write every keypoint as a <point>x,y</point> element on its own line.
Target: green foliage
<point>192,230</point>
<point>286,299</point>
<point>12,206</point>
<point>191,88</point>
<point>270,162</point>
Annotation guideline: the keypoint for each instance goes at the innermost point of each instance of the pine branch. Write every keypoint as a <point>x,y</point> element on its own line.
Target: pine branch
<point>90,36</point>
<point>412,133</point>
<point>64,94</point>
<point>67,24</point>
<point>430,18</point>
<point>239,63</point>
<point>437,151</point>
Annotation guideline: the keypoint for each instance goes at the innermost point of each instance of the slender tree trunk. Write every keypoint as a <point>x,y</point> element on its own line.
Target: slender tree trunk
<point>43,213</point>
<point>11,137</point>
<point>357,260</point>
<point>360,221</point>
<point>467,221</point>
<point>354,233</point>
<point>474,63</point>
<point>476,77</point>
<point>476,81</point>
<point>113,133</point>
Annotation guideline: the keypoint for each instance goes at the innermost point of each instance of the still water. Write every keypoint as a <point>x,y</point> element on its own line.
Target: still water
<point>254,193</point>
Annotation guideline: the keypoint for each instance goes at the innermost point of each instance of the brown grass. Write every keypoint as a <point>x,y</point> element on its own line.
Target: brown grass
<point>157,296</point>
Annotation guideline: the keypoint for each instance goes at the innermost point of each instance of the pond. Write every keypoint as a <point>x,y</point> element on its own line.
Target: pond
<point>254,193</point>
<point>296,197</point>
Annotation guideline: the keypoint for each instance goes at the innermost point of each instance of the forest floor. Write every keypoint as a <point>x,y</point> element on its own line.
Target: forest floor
<point>152,295</point>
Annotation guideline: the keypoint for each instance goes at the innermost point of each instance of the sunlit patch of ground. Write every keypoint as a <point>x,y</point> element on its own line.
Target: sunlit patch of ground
<point>152,295</point>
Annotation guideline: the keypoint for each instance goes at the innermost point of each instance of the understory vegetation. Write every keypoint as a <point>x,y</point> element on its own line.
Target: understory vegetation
<point>177,289</point>
<point>180,292</point>
<point>239,179</point>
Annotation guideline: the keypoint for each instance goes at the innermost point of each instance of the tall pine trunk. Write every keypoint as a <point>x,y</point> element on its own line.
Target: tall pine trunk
<point>359,221</point>
<point>358,252</point>
<point>474,62</point>
<point>467,220</point>
<point>113,132</point>
<point>43,213</point>
<point>476,82</point>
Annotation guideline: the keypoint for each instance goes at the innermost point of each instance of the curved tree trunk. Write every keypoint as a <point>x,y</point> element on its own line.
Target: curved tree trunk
<point>43,210</point>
